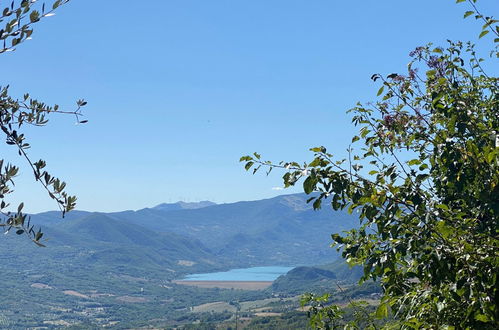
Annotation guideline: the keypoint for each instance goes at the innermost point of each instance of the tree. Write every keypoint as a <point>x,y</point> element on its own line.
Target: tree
<point>17,21</point>
<point>425,184</point>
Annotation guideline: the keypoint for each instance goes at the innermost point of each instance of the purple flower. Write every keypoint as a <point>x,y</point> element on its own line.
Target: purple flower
<point>399,78</point>
<point>433,62</point>
<point>412,73</point>
<point>438,64</point>
<point>417,52</point>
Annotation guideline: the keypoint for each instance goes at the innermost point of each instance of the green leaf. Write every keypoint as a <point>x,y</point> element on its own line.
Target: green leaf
<point>38,235</point>
<point>56,4</point>
<point>315,162</point>
<point>309,184</point>
<point>443,207</point>
<point>382,311</point>
<point>444,230</point>
<point>318,149</point>
<point>380,91</point>
<point>468,13</point>
<point>414,162</point>
<point>317,204</point>
<point>482,317</point>
<point>39,244</point>
<point>245,158</point>
<point>248,165</point>
<point>491,156</point>
<point>484,32</point>
<point>34,16</point>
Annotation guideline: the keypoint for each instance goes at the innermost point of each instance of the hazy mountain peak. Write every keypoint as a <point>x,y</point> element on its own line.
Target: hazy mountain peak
<point>298,202</point>
<point>183,205</point>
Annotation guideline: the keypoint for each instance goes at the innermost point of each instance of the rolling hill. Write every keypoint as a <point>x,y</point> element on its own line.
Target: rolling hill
<point>284,230</point>
<point>99,268</point>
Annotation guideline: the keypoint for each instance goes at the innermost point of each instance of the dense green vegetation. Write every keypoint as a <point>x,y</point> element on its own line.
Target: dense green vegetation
<point>91,297</point>
<point>424,182</point>
<point>94,296</point>
<point>289,320</point>
<point>317,279</point>
<point>104,269</point>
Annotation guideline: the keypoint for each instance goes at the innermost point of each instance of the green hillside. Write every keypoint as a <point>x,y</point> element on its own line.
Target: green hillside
<point>101,268</point>
<point>324,278</point>
<point>279,231</point>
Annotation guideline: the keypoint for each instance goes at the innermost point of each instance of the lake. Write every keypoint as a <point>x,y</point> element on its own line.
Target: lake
<point>268,273</point>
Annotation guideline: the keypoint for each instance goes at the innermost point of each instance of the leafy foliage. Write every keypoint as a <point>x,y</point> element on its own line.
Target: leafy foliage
<point>490,24</point>
<point>357,314</point>
<point>425,184</point>
<point>17,21</point>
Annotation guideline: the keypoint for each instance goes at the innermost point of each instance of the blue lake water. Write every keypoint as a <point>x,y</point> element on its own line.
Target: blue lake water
<point>242,274</point>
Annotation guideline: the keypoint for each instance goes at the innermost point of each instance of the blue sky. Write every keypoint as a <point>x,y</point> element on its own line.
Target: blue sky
<point>178,90</point>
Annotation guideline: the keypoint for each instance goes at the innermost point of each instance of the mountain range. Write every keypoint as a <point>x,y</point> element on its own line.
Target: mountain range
<point>102,268</point>
<point>283,230</point>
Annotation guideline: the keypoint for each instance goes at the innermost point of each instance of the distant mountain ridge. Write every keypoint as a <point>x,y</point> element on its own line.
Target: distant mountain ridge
<point>123,265</point>
<point>283,230</point>
<point>183,205</point>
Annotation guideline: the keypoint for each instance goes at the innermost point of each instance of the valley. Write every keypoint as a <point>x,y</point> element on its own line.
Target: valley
<point>126,270</point>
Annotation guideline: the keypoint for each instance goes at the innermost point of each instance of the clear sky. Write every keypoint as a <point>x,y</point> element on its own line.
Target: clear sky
<point>178,90</point>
